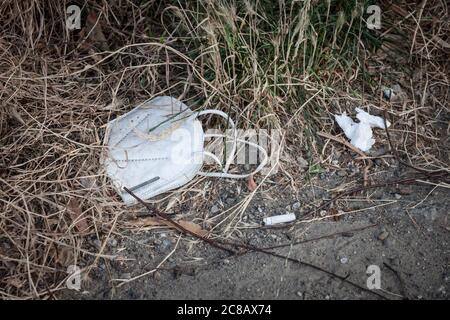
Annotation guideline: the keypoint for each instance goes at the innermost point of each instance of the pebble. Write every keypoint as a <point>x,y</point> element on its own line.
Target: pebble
<point>395,261</point>
<point>348,234</point>
<point>97,243</point>
<point>302,163</point>
<point>125,276</point>
<point>383,235</point>
<point>378,162</point>
<point>397,196</point>
<point>296,206</point>
<point>229,201</point>
<point>388,93</point>
<point>112,242</point>
<point>322,213</point>
<point>6,245</point>
<point>300,294</point>
<point>403,190</point>
<point>165,245</point>
<point>431,214</point>
<point>214,209</point>
<point>344,260</point>
<point>341,173</point>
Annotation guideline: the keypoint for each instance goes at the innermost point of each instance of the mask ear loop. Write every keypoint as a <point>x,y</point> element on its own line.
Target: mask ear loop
<point>234,137</point>
<point>234,140</point>
<point>232,175</point>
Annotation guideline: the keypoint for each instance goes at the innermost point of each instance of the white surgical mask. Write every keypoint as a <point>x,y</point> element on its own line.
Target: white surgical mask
<point>159,146</point>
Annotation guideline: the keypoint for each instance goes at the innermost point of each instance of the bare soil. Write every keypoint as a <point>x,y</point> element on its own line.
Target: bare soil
<point>407,235</point>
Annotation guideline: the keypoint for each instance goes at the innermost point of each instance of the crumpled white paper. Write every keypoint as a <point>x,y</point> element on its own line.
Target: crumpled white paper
<point>360,133</point>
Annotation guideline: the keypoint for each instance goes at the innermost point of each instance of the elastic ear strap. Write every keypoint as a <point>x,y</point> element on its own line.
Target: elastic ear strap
<point>231,175</point>
<point>213,156</point>
<point>232,126</point>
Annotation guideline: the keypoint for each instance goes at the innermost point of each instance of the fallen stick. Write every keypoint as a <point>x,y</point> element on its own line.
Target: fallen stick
<point>177,225</point>
<point>342,141</point>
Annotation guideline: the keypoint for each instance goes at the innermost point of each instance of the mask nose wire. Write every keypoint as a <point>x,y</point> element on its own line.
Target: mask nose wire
<point>140,185</point>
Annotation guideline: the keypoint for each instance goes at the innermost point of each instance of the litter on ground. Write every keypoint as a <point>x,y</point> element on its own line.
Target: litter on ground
<point>360,133</point>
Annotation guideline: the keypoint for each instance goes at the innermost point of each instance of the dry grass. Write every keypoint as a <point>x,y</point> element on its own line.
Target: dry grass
<point>270,64</point>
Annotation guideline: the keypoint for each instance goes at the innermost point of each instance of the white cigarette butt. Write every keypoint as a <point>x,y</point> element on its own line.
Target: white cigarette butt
<point>279,219</point>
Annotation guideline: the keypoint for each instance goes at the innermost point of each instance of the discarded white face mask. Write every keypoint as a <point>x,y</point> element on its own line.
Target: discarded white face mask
<point>360,134</point>
<point>159,146</point>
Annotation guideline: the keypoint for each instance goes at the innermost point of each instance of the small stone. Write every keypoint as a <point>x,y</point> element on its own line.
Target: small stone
<point>6,245</point>
<point>378,162</point>
<point>296,206</point>
<point>378,152</point>
<point>397,196</point>
<point>395,261</point>
<point>300,294</point>
<point>341,173</point>
<point>112,242</point>
<point>97,243</point>
<point>322,213</point>
<point>383,235</point>
<point>226,261</point>
<point>229,201</point>
<point>388,93</point>
<point>403,190</point>
<point>431,214</point>
<point>302,163</point>
<point>165,245</point>
<point>348,234</point>
<point>126,275</point>
<point>214,209</point>
<point>344,260</point>
<point>260,210</point>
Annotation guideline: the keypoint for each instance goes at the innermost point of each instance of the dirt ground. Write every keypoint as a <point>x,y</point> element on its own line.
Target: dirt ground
<point>404,230</point>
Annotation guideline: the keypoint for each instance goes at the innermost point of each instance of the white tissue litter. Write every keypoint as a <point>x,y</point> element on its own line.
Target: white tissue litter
<point>360,133</point>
